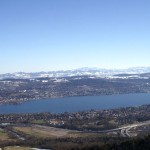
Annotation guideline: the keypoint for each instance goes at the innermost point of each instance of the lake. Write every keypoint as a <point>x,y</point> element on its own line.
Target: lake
<point>75,104</point>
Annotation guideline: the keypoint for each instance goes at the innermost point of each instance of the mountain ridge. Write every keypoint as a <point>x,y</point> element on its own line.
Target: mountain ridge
<point>98,72</point>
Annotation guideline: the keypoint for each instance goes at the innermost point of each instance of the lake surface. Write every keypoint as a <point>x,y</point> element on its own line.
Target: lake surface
<point>75,104</point>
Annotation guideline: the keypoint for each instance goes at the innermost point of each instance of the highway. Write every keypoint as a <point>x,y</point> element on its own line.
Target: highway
<point>124,130</point>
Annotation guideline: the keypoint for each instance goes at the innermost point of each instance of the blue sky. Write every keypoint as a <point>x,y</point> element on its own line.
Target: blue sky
<point>44,35</point>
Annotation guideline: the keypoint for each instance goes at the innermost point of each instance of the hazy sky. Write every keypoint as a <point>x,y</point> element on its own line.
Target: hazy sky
<point>42,35</point>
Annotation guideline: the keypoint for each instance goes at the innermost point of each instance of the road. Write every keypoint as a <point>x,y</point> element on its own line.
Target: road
<point>124,130</point>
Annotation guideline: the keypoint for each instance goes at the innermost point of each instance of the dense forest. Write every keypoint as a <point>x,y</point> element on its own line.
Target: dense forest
<point>78,144</point>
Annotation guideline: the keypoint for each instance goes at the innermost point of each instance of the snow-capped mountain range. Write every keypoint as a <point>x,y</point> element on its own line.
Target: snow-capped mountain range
<point>97,72</point>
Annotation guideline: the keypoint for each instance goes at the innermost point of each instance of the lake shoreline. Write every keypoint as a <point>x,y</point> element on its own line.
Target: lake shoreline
<point>18,102</point>
<point>75,104</point>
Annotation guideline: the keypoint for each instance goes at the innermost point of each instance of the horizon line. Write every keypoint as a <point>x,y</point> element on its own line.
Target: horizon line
<point>81,68</point>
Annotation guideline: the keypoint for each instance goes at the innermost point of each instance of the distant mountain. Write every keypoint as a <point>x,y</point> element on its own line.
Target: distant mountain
<point>97,72</point>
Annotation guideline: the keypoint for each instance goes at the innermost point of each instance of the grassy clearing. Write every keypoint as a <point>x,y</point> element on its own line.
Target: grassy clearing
<point>38,122</point>
<point>3,135</point>
<point>19,148</point>
<point>51,132</point>
<point>46,132</point>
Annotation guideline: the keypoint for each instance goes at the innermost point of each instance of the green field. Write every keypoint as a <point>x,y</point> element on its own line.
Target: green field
<point>39,131</point>
<point>46,132</point>
<point>17,148</point>
<point>3,135</point>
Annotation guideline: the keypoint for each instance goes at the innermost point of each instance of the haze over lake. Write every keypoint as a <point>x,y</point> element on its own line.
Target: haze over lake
<point>75,104</point>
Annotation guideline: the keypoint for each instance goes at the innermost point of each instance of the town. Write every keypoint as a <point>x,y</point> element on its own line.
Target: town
<point>96,120</point>
<point>15,91</point>
<point>47,130</point>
